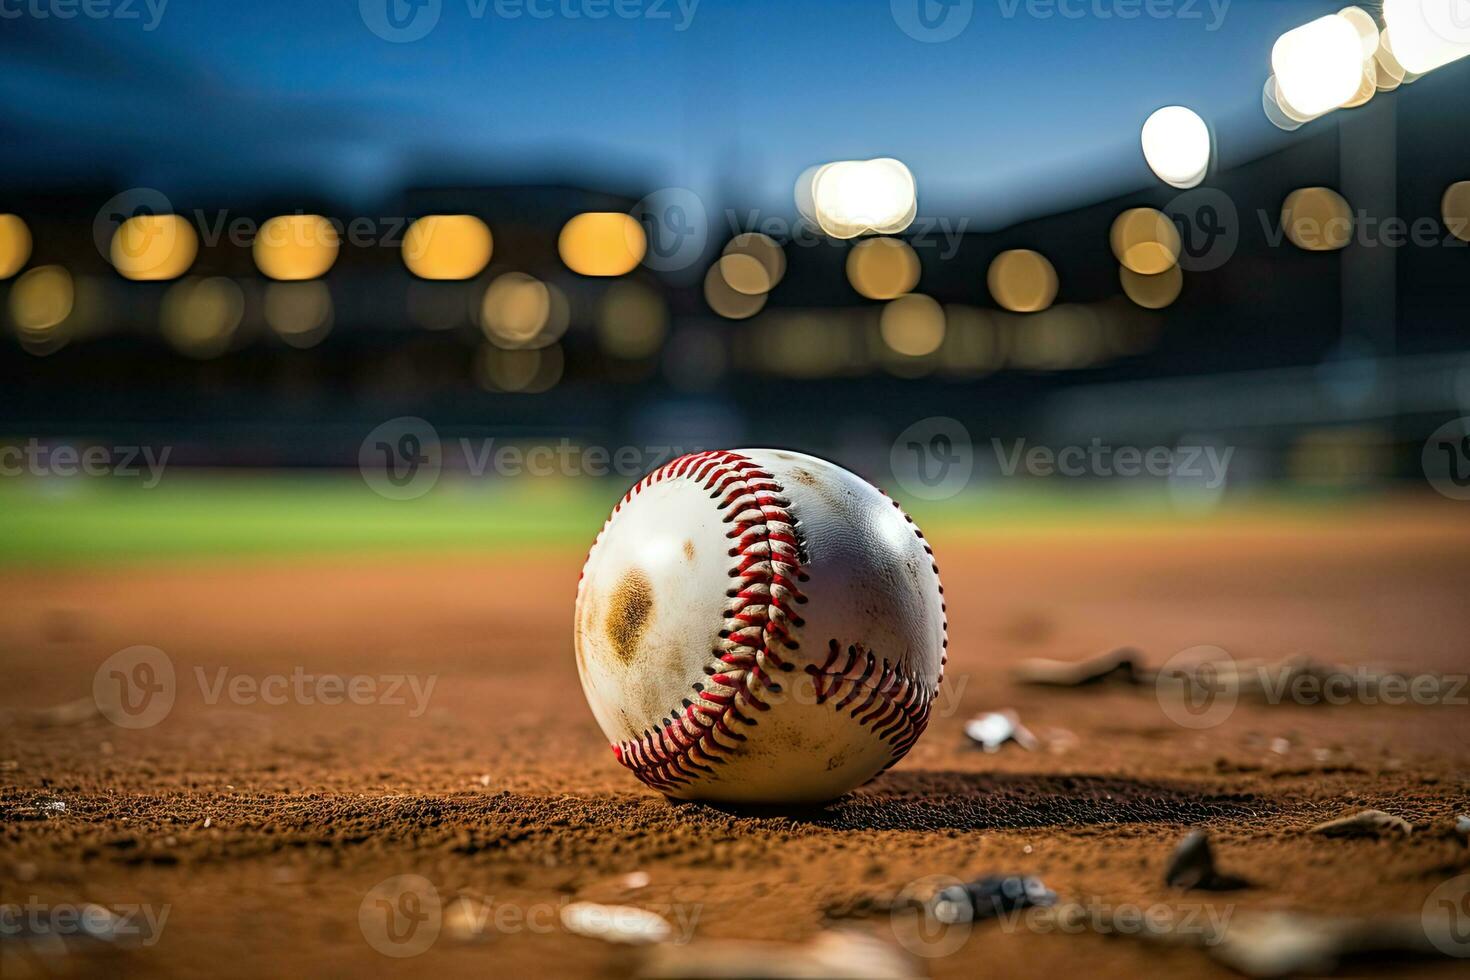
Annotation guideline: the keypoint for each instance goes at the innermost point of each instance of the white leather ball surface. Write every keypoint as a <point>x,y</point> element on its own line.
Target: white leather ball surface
<point>759,626</point>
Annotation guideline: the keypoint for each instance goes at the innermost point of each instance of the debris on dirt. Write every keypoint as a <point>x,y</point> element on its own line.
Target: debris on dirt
<point>1193,866</point>
<point>634,880</point>
<point>616,923</point>
<point>992,730</point>
<point>40,808</point>
<point>1123,664</point>
<point>1270,944</point>
<point>990,896</point>
<point>836,953</point>
<point>1369,823</point>
<point>1279,944</point>
<point>1462,825</point>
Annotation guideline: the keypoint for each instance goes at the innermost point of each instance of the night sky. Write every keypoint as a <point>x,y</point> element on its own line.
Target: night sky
<point>1032,108</point>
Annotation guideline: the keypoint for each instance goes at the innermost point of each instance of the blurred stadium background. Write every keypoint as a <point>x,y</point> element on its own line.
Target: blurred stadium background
<point>272,301</point>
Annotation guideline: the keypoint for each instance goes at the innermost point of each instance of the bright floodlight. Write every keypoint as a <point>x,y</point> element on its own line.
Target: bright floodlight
<point>1176,144</point>
<point>1426,34</point>
<point>857,197</point>
<point>1318,66</point>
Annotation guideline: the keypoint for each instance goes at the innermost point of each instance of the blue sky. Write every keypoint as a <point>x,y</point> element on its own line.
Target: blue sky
<point>1033,106</point>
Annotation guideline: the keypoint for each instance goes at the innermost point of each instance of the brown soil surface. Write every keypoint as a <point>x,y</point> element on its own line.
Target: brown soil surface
<point>263,828</point>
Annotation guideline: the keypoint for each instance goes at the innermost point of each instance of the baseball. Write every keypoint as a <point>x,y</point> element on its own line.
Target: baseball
<point>759,626</point>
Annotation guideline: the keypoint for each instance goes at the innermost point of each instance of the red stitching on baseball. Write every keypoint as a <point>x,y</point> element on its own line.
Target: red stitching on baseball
<point>760,618</point>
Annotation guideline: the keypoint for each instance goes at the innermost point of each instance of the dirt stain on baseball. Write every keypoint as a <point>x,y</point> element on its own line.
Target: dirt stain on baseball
<point>628,613</point>
<point>689,550</point>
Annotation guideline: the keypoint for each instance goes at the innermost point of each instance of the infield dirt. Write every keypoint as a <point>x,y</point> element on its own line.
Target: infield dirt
<point>262,828</point>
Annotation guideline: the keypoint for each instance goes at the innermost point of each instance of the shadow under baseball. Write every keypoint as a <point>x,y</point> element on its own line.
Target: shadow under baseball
<point>952,800</point>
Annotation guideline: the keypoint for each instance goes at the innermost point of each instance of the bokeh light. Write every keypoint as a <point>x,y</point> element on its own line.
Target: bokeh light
<point>447,246</point>
<point>1319,65</point>
<point>154,247</point>
<point>602,243</point>
<point>912,325</point>
<point>858,197</point>
<point>15,245</point>
<point>632,320</point>
<point>198,317</point>
<point>726,301</point>
<point>300,313</point>
<point>1022,280</point>
<point>1145,240</point>
<point>296,246</point>
<point>1317,219</point>
<point>762,249</point>
<point>1176,145</point>
<point>526,371</point>
<point>1152,292</point>
<point>744,274</point>
<point>882,268</point>
<point>1455,207</point>
<point>41,300</point>
<point>520,311</point>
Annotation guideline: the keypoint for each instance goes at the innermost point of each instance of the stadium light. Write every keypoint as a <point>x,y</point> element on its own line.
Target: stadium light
<point>1176,145</point>
<point>1427,34</point>
<point>1318,66</point>
<point>858,197</point>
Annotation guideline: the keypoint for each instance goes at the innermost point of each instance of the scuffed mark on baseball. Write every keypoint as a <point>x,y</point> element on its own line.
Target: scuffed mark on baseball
<point>689,550</point>
<point>628,613</point>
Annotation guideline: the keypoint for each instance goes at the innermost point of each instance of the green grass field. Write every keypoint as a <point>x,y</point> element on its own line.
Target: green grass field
<point>211,513</point>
